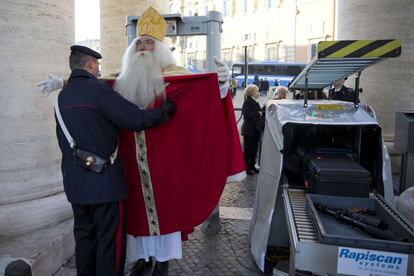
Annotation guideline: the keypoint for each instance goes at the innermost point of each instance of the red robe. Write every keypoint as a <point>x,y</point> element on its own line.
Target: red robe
<point>188,159</point>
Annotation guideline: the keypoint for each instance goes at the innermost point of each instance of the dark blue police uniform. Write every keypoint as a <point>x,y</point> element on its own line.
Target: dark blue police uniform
<point>93,114</point>
<point>344,94</point>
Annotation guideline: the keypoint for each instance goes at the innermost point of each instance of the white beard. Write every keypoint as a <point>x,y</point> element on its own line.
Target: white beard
<point>142,80</point>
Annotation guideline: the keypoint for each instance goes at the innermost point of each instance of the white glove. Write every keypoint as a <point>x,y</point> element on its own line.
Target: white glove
<point>223,72</point>
<point>224,89</point>
<point>50,84</point>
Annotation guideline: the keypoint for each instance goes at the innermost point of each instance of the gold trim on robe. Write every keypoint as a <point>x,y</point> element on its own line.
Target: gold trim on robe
<point>146,183</point>
<point>144,170</point>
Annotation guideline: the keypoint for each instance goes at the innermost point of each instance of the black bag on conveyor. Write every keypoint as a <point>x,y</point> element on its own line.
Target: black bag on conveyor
<point>336,175</point>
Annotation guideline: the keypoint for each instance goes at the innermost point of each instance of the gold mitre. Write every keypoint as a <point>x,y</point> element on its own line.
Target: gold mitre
<point>151,23</point>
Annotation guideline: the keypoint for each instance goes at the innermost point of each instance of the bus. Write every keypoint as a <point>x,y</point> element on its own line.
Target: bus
<point>283,72</point>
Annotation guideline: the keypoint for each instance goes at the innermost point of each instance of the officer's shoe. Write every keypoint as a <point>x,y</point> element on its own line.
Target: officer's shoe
<point>161,269</point>
<point>139,267</point>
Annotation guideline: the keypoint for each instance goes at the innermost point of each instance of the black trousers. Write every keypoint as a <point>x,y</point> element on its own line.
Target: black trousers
<point>250,145</point>
<point>233,92</point>
<point>100,236</point>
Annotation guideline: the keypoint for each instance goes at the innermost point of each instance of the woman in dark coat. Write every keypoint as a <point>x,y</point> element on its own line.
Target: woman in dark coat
<point>251,128</point>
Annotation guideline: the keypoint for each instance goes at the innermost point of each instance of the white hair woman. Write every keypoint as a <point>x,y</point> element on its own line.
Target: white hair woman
<point>252,127</point>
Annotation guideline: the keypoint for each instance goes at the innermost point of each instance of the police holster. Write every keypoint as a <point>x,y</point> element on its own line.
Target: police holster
<point>89,160</point>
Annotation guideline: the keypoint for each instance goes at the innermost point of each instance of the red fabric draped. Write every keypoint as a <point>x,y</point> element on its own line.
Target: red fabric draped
<point>189,157</point>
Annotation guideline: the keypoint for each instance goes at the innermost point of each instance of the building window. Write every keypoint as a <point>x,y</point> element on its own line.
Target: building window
<point>192,57</point>
<point>289,53</point>
<point>226,8</point>
<point>271,52</point>
<point>269,3</point>
<point>250,53</point>
<point>245,6</point>
<point>227,55</point>
<point>174,6</point>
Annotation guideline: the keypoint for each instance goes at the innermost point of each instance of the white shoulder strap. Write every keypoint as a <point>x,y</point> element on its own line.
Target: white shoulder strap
<point>114,155</point>
<point>72,142</point>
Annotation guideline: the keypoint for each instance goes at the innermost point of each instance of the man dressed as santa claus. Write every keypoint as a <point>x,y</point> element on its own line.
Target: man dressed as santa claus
<point>176,173</point>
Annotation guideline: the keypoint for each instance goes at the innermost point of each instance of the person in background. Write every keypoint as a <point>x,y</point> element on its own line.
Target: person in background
<point>261,87</point>
<point>280,93</point>
<point>92,113</point>
<point>251,128</point>
<point>340,92</point>
<point>233,87</point>
<point>265,86</point>
<point>316,94</point>
<point>256,80</point>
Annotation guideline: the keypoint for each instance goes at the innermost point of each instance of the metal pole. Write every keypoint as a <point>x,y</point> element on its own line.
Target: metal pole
<point>246,67</point>
<point>214,21</point>
<point>305,103</point>
<point>356,98</point>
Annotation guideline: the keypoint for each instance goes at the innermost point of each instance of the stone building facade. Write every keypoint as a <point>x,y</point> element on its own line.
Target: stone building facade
<point>270,29</point>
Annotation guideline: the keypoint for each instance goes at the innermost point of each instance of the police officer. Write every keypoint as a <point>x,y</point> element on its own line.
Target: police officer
<point>93,113</point>
<point>340,92</point>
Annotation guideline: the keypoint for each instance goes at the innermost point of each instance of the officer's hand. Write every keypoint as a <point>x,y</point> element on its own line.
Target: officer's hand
<point>50,84</point>
<point>169,107</point>
<point>223,72</point>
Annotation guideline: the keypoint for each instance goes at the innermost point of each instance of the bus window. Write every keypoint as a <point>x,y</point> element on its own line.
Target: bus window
<point>277,73</point>
<point>237,70</point>
<point>294,70</point>
<point>253,69</point>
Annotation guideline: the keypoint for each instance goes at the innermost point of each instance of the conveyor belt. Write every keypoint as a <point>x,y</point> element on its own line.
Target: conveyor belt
<point>303,222</point>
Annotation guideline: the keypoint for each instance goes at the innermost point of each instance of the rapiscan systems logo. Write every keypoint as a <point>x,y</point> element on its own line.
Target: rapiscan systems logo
<point>370,262</point>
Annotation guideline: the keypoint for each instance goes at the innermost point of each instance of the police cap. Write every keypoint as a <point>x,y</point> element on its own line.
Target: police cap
<point>85,50</point>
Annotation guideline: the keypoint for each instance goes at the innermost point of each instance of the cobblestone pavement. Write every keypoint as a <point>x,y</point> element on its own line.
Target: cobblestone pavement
<point>228,252</point>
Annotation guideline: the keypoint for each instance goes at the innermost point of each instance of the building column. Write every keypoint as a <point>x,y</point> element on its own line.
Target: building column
<point>387,86</point>
<point>36,37</point>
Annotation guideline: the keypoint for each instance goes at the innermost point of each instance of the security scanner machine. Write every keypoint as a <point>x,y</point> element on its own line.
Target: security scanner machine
<point>209,26</point>
<point>325,188</point>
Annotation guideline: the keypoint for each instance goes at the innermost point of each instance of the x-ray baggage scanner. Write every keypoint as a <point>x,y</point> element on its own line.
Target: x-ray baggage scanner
<point>286,214</point>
